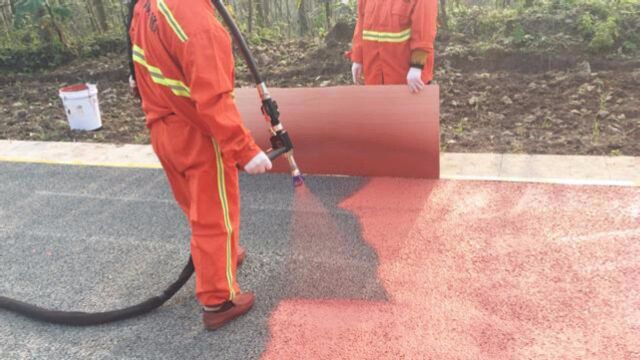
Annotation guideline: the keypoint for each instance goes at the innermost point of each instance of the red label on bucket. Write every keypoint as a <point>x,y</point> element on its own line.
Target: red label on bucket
<point>73,88</point>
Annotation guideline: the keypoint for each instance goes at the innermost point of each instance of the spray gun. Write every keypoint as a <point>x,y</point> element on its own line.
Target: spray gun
<point>280,141</point>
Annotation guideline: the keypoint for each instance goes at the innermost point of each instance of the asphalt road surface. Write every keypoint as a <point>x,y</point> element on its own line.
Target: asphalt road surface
<point>346,268</point>
<point>94,239</point>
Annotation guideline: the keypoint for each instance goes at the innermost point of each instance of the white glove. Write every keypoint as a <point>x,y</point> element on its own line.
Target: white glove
<point>258,165</point>
<point>356,72</point>
<point>414,80</point>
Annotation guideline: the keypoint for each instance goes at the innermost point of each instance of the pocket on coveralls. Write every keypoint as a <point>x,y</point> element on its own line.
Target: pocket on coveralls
<point>402,9</point>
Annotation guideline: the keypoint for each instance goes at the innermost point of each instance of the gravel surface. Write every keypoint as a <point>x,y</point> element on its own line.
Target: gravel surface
<point>92,239</point>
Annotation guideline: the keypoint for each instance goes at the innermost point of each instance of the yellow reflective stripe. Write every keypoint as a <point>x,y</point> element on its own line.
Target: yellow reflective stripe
<point>164,9</point>
<point>379,36</point>
<point>138,52</point>
<point>389,40</point>
<point>177,87</point>
<point>222,192</point>
<point>392,34</point>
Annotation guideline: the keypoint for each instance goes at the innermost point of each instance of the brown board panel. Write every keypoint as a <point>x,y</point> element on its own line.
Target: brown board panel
<point>354,130</point>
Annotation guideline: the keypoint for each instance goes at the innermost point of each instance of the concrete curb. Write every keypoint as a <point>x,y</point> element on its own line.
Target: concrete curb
<point>556,169</point>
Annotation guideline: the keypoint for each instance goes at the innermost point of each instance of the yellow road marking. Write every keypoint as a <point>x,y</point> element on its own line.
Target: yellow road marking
<point>81,163</point>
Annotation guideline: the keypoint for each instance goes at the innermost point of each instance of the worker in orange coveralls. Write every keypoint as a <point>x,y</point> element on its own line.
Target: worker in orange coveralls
<point>184,72</point>
<point>393,42</point>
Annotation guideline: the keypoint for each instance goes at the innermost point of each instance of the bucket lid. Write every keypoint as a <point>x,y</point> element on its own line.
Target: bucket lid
<point>74,88</point>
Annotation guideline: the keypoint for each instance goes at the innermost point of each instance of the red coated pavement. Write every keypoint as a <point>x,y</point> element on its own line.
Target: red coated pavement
<point>479,270</point>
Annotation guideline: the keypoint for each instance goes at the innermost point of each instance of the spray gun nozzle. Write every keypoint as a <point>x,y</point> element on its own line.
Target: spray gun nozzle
<point>298,180</point>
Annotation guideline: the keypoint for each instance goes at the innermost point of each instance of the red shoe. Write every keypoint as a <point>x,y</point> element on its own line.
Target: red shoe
<point>228,311</point>
<point>241,256</point>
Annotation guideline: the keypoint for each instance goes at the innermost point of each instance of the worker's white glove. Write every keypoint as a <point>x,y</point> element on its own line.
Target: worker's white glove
<point>356,72</point>
<point>258,165</point>
<point>414,80</point>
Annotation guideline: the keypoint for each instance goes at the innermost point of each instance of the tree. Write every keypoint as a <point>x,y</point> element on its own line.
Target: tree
<point>51,25</point>
<point>101,14</point>
<point>328,13</point>
<point>303,19</point>
<point>250,20</point>
<point>444,19</point>
<point>6,14</point>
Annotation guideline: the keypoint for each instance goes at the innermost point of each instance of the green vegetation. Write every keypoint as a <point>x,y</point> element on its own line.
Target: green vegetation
<point>46,33</point>
<point>590,27</point>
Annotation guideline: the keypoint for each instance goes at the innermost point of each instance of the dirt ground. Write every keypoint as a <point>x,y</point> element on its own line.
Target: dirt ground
<point>571,110</point>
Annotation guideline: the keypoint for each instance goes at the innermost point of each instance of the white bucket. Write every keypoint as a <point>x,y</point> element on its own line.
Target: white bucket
<point>81,106</point>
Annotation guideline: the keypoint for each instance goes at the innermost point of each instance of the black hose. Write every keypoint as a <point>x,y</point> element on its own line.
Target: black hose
<point>269,106</point>
<point>132,5</point>
<point>78,318</point>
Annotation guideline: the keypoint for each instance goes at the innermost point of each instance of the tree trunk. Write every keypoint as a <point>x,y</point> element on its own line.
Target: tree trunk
<point>56,26</point>
<point>92,17</point>
<point>260,10</point>
<point>279,12</point>
<point>328,13</point>
<point>250,16</point>
<point>444,19</point>
<point>288,7</point>
<point>6,14</point>
<point>266,7</point>
<point>123,15</point>
<point>302,18</point>
<point>101,14</point>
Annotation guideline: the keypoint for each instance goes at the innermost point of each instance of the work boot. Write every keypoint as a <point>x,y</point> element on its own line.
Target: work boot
<point>242,254</point>
<point>227,311</point>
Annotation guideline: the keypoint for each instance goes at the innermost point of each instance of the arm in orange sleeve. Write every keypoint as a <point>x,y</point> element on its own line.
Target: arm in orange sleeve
<point>423,32</point>
<point>208,66</point>
<point>356,42</point>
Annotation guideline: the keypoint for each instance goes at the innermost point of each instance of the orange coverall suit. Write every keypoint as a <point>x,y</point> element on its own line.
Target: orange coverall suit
<point>388,36</point>
<point>185,75</point>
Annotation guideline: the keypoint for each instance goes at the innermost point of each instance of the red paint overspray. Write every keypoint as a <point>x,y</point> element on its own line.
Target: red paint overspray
<point>317,261</point>
<point>304,328</point>
<point>308,328</point>
<point>483,271</point>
